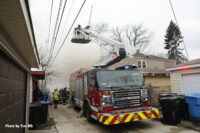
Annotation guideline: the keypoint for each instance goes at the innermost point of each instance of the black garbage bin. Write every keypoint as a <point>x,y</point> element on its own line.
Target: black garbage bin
<point>34,113</point>
<point>43,112</point>
<point>171,107</point>
<point>183,105</point>
<point>184,108</point>
<point>168,95</point>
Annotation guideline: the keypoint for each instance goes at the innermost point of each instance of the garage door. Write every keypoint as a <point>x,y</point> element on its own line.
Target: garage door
<point>12,95</point>
<point>191,83</point>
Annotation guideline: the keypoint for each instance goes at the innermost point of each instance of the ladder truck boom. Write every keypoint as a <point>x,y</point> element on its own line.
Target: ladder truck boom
<point>102,38</point>
<point>84,35</point>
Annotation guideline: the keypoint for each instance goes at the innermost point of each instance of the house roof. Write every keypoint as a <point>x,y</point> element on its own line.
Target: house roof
<point>190,64</point>
<point>141,55</point>
<point>131,61</point>
<point>125,61</point>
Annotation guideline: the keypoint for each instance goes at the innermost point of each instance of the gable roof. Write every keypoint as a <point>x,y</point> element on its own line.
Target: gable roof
<point>131,61</point>
<point>125,61</point>
<point>141,55</point>
<point>190,64</point>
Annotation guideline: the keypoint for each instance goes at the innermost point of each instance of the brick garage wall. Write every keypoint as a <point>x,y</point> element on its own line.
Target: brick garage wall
<point>157,80</point>
<point>154,93</point>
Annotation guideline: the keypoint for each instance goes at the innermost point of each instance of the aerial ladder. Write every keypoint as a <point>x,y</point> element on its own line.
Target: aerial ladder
<point>85,35</point>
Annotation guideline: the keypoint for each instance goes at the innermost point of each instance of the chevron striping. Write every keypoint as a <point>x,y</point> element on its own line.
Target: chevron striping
<point>124,118</point>
<point>142,115</point>
<point>101,118</point>
<point>157,112</point>
<point>129,117</point>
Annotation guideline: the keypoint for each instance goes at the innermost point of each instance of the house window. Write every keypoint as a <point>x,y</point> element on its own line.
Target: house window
<point>92,80</point>
<point>139,64</point>
<point>142,64</point>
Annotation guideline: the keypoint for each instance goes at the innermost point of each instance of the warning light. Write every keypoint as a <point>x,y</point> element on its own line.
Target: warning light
<point>106,93</point>
<point>127,67</point>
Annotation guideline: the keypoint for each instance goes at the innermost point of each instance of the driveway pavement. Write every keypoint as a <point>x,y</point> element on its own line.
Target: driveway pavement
<point>66,121</point>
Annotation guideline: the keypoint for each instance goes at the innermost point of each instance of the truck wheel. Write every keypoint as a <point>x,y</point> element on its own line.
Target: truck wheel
<point>88,113</point>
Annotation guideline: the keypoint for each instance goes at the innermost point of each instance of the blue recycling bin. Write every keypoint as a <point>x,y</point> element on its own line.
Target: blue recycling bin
<point>44,96</point>
<point>193,101</point>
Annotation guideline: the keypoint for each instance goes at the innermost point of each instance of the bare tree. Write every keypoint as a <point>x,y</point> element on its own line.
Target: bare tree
<point>50,72</point>
<point>100,28</point>
<point>138,36</point>
<point>117,34</point>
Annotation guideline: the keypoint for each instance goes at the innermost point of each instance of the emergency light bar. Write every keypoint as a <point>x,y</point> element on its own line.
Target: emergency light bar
<point>126,67</point>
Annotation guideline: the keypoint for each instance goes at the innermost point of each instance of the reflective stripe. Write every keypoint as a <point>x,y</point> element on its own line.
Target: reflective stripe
<point>93,117</point>
<point>124,118</point>
<point>106,122</point>
<point>129,117</point>
<point>157,111</point>
<point>101,118</point>
<point>105,118</point>
<point>146,114</point>
<point>112,121</point>
<point>55,95</point>
<point>94,108</point>
<point>151,114</point>
<point>142,115</point>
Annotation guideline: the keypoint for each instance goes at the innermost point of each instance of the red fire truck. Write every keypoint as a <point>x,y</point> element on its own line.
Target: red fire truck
<point>111,96</point>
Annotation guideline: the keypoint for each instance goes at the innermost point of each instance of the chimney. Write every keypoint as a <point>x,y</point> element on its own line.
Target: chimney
<point>137,51</point>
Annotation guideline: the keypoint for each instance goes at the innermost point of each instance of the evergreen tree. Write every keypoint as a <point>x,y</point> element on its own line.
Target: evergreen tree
<point>173,38</point>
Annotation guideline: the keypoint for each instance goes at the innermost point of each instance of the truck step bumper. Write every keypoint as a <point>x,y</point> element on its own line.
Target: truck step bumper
<point>110,119</point>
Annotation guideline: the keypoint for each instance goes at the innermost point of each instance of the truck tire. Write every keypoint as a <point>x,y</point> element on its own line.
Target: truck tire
<point>88,112</point>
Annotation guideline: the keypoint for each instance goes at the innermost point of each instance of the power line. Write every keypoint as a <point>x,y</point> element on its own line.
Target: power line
<point>58,14</point>
<point>56,24</point>
<point>59,25</point>
<point>50,21</point>
<point>90,15</point>
<point>173,12</point>
<point>69,31</point>
<point>179,27</point>
<point>67,17</point>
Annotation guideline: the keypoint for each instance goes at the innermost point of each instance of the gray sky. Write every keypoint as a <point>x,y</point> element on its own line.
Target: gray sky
<point>154,14</point>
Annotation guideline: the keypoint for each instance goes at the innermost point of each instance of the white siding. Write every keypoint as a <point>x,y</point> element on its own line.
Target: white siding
<point>176,79</point>
<point>175,82</point>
